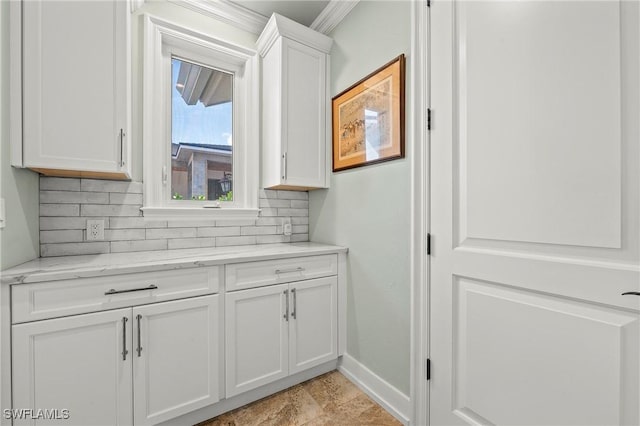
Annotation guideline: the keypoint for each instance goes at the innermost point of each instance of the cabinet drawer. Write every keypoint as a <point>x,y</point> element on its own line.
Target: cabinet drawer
<point>268,272</point>
<point>30,302</point>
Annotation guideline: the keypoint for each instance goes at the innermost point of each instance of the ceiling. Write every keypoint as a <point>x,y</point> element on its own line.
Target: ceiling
<point>302,11</point>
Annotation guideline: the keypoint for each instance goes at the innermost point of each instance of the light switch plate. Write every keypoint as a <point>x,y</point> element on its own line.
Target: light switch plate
<point>3,217</point>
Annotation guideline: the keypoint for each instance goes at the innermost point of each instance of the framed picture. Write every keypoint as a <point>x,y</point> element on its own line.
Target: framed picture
<point>368,119</point>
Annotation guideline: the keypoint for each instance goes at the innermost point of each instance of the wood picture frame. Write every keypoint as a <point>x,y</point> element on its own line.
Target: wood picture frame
<point>368,118</point>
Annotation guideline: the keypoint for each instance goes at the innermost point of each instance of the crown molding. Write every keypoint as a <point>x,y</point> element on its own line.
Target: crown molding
<point>279,25</point>
<point>228,12</point>
<point>332,15</point>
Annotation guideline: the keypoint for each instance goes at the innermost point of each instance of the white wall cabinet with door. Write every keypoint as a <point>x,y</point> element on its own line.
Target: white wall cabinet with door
<point>295,105</point>
<point>279,330</point>
<point>141,364</point>
<point>71,84</point>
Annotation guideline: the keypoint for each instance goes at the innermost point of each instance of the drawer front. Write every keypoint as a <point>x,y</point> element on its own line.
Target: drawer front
<point>31,302</point>
<point>268,272</point>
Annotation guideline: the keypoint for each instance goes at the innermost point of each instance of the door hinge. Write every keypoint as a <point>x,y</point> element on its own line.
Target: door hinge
<point>428,369</point>
<point>428,244</point>
<point>428,118</point>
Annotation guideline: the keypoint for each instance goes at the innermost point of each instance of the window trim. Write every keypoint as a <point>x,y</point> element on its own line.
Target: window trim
<point>162,41</point>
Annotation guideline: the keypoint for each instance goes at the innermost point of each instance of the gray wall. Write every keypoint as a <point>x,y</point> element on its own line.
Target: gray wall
<point>19,188</point>
<point>367,209</point>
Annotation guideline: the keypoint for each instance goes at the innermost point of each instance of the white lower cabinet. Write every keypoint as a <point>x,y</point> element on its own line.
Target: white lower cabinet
<point>272,332</point>
<point>175,358</point>
<point>139,365</point>
<point>75,363</point>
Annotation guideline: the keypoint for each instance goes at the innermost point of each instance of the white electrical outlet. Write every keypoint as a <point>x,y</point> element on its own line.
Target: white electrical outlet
<point>95,230</point>
<point>286,227</point>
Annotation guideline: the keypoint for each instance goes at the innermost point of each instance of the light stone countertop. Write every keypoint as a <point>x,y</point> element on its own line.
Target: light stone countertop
<point>70,267</point>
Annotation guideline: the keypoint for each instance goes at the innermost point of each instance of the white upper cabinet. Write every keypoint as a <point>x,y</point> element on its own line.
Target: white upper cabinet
<point>295,105</point>
<point>75,80</point>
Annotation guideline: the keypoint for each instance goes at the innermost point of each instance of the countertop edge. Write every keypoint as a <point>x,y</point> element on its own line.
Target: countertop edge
<point>23,274</point>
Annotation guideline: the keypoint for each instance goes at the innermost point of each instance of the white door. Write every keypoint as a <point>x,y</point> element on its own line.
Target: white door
<point>313,329</point>
<point>175,358</point>
<point>75,364</point>
<point>534,184</point>
<point>256,337</point>
<point>75,85</point>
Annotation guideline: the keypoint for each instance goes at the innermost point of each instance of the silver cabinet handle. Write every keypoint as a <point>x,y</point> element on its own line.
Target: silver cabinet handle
<point>139,349</point>
<point>295,303</point>
<point>122,147</point>
<point>114,291</point>
<point>284,172</point>
<point>286,271</point>
<point>124,338</point>
<point>286,298</point>
<point>631,293</point>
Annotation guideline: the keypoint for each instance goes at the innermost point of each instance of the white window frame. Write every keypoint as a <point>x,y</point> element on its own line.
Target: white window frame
<point>162,41</point>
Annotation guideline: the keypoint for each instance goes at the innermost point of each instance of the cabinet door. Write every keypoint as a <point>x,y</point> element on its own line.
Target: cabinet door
<point>75,363</point>
<point>256,337</point>
<point>305,103</point>
<point>175,358</point>
<point>313,335</point>
<point>75,85</point>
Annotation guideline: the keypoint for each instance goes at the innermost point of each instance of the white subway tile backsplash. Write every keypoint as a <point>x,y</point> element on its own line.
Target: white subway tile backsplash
<point>110,210</point>
<point>235,241</point>
<point>59,209</point>
<point>226,231</point>
<point>110,186</point>
<point>271,202</point>
<point>67,203</point>
<point>62,236</point>
<point>53,223</point>
<point>258,230</point>
<point>183,243</point>
<point>293,195</point>
<point>124,234</point>
<point>142,245</point>
<point>270,239</point>
<point>136,222</point>
<point>293,212</point>
<point>122,198</point>
<point>73,249</point>
<point>59,184</point>
<point>73,197</point>
<point>160,233</point>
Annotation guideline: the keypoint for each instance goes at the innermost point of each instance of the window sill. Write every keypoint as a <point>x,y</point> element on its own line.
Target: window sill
<point>186,213</point>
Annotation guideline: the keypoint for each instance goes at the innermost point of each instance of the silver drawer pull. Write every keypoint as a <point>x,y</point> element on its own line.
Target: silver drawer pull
<point>114,291</point>
<point>286,271</point>
<point>286,298</point>
<point>124,338</point>
<point>295,304</point>
<point>139,349</point>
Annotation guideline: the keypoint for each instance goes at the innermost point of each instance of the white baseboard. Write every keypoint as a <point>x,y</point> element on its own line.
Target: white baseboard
<point>390,398</point>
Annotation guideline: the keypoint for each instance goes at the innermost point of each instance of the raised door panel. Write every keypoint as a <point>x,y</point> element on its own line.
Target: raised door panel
<point>75,84</point>
<point>175,352</point>
<point>559,361</point>
<point>305,97</point>
<point>256,338</point>
<point>77,364</point>
<point>313,333</point>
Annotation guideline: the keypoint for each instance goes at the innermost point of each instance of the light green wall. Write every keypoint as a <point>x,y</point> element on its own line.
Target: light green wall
<point>19,239</point>
<point>367,209</point>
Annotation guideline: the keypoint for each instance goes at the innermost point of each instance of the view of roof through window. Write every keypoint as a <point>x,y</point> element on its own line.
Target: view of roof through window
<point>201,132</point>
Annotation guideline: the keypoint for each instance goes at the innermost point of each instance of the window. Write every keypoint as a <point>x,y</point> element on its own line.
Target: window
<point>200,125</point>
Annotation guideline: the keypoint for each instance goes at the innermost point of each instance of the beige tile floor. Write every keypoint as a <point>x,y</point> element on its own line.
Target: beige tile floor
<point>329,399</point>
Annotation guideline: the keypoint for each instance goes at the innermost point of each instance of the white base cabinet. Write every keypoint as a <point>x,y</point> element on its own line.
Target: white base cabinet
<point>75,363</point>
<point>276,331</point>
<point>175,358</point>
<point>140,365</point>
